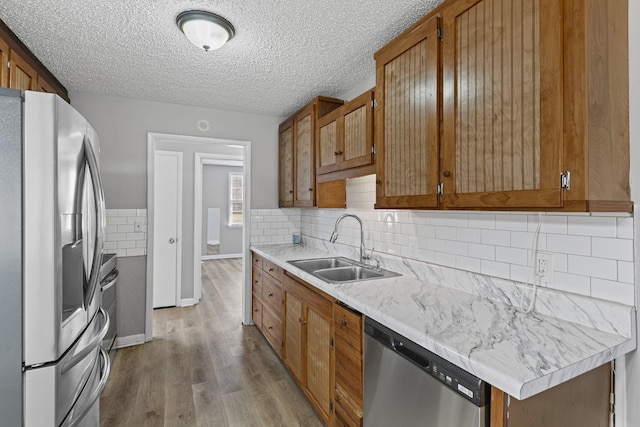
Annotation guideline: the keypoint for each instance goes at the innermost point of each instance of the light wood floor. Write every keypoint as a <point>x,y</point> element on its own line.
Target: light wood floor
<point>204,368</point>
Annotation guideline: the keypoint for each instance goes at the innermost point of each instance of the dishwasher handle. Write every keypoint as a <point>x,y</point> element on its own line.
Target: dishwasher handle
<point>414,357</point>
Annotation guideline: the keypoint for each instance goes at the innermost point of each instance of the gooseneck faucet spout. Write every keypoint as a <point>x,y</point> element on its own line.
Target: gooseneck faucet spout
<point>334,235</point>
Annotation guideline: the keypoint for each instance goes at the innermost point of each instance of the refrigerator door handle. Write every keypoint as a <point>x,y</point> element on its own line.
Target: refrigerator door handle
<point>98,192</point>
<point>104,375</point>
<point>95,341</point>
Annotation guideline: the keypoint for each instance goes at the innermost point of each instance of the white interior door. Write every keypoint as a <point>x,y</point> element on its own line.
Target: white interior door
<point>167,228</point>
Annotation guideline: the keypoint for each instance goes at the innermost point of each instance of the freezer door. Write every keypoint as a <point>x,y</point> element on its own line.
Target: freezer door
<point>58,394</point>
<point>63,226</point>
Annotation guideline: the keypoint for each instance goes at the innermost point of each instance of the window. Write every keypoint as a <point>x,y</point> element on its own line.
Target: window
<point>235,199</point>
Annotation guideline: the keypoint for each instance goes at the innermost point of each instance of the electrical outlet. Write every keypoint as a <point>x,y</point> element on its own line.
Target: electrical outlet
<point>544,267</point>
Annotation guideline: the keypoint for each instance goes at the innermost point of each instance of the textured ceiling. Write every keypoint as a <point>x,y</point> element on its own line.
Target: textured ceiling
<point>283,54</point>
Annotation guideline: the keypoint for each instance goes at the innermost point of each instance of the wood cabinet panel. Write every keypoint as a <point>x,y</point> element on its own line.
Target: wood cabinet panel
<point>349,362</point>
<point>272,294</point>
<point>293,341</point>
<point>256,276</point>
<point>304,167</point>
<point>286,164</point>
<point>21,75</point>
<point>407,120</point>
<point>272,328</point>
<point>502,79</point>
<point>328,147</point>
<point>44,85</point>
<point>346,415</point>
<point>318,358</point>
<point>257,311</point>
<point>4,64</point>
<point>256,260</point>
<point>332,194</point>
<point>272,269</point>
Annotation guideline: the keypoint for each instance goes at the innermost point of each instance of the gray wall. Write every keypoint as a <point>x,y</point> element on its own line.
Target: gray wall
<point>122,125</point>
<point>215,194</point>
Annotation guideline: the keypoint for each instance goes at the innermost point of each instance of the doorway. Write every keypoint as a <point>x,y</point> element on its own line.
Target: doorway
<point>194,149</point>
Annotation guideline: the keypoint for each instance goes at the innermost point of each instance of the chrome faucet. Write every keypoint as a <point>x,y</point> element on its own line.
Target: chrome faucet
<point>334,235</point>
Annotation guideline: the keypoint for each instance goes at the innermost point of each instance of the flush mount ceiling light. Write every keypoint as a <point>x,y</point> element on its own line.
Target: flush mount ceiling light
<point>206,30</point>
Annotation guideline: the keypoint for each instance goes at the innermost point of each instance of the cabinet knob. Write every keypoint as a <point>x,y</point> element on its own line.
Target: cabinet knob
<point>270,328</point>
<point>291,191</point>
<point>270,294</point>
<point>446,174</point>
<point>335,153</point>
<point>378,182</point>
<point>343,322</point>
<point>302,321</point>
<point>271,269</point>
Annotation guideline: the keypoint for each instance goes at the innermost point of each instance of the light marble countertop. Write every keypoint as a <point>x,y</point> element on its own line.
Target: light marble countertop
<point>519,353</point>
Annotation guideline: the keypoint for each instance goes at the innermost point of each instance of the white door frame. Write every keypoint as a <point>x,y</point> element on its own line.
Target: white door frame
<point>152,139</point>
<point>202,159</point>
<point>151,225</point>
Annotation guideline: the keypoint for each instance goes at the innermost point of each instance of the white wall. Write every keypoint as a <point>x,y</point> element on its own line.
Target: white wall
<point>215,194</point>
<point>123,124</point>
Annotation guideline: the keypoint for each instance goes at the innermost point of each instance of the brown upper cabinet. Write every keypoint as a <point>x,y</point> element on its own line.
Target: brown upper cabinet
<point>534,108</point>
<point>22,70</point>
<point>407,119</point>
<point>297,149</point>
<point>345,139</point>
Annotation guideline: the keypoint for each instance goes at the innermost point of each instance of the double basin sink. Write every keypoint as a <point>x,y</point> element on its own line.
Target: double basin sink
<point>341,270</point>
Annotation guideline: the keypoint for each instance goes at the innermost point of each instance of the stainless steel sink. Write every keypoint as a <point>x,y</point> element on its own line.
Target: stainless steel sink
<point>341,270</point>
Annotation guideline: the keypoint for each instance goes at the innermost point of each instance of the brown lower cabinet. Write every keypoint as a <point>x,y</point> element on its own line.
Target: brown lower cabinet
<point>307,345</point>
<point>267,300</point>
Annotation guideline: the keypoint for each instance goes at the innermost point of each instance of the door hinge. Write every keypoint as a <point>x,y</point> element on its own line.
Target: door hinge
<point>373,149</point>
<point>440,36</point>
<point>374,103</point>
<point>440,189</point>
<point>331,342</point>
<point>565,180</point>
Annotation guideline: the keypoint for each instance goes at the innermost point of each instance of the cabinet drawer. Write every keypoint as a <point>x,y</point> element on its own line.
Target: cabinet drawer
<point>257,311</point>
<point>346,415</point>
<point>256,280</point>
<point>256,260</point>
<point>272,269</point>
<point>348,326</point>
<point>272,294</point>
<point>272,329</point>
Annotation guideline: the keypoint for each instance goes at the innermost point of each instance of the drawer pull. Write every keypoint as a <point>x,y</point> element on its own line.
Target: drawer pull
<point>270,294</point>
<point>271,269</point>
<point>270,328</point>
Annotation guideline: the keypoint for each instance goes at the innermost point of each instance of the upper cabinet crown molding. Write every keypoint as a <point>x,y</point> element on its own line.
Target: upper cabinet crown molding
<point>498,105</point>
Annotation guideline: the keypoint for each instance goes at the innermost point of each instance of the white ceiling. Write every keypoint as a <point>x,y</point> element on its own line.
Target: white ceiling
<point>284,52</point>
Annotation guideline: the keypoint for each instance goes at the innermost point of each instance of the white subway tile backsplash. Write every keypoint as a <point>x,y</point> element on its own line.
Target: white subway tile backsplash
<point>620,249</point>
<point>592,226</point>
<point>566,244</point>
<point>496,237</point>
<point>612,291</point>
<point>594,267</point>
<point>121,237</point>
<point>586,248</point>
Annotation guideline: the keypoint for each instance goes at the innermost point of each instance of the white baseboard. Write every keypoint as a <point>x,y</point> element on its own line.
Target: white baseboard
<point>130,340</point>
<point>187,302</point>
<point>222,256</point>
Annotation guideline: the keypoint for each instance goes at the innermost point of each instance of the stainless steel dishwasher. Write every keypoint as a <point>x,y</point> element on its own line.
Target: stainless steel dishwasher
<point>407,385</point>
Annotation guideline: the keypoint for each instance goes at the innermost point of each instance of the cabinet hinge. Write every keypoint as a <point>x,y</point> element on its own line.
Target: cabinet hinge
<point>8,64</point>
<point>373,149</point>
<point>331,406</point>
<point>440,189</point>
<point>331,342</point>
<point>374,103</point>
<point>565,180</point>
<point>440,36</point>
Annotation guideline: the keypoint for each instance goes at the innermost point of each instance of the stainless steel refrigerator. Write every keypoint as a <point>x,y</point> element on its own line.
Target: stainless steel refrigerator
<point>52,367</point>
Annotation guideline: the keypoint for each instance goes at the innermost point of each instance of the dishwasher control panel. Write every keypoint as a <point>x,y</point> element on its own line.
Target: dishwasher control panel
<point>457,379</point>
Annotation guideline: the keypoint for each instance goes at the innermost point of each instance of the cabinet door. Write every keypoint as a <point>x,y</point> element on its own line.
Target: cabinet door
<point>329,142</point>
<point>4,64</point>
<point>502,104</point>
<point>348,345</point>
<point>286,164</point>
<point>304,169</point>
<point>44,85</point>
<point>357,131</point>
<point>318,358</point>
<point>407,121</point>
<point>293,320</point>
<point>21,75</point>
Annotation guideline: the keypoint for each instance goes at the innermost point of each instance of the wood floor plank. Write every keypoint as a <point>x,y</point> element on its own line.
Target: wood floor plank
<point>204,368</point>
